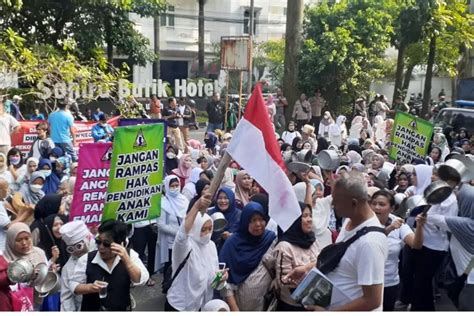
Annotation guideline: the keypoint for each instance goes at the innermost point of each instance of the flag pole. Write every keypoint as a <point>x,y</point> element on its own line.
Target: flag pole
<point>219,175</point>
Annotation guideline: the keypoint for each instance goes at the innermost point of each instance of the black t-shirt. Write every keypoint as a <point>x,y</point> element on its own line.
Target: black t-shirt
<point>167,111</point>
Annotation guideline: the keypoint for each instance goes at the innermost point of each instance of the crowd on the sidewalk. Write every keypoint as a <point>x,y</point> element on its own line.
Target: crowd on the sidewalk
<point>225,252</point>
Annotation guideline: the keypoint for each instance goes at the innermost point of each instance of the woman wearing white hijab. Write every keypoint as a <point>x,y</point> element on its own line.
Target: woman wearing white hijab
<point>324,125</point>
<point>435,244</point>
<point>173,211</point>
<point>189,190</point>
<point>191,288</point>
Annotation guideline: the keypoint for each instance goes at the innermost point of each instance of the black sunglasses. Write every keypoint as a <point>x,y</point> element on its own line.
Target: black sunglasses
<point>106,243</point>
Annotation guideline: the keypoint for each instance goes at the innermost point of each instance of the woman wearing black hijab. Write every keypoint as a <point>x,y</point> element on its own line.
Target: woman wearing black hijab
<point>297,144</point>
<point>48,205</point>
<point>201,185</point>
<point>50,238</point>
<point>296,247</point>
<point>322,145</point>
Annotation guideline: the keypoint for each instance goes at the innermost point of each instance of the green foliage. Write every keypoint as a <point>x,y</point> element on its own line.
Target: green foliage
<point>90,23</point>
<point>45,66</point>
<point>271,54</point>
<point>344,47</point>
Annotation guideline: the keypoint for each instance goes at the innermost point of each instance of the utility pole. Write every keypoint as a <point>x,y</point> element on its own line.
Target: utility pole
<point>201,38</point>
<point>251,24</point>
<point>156,47</point>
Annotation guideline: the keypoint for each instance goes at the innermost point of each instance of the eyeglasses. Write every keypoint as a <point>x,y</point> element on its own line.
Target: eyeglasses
<point>76,247</point>
<point>105,243</point>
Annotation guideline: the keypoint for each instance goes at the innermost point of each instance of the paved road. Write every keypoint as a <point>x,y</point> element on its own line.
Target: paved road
<point>151,298</point>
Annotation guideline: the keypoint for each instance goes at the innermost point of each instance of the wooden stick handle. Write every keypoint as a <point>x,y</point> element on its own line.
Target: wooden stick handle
<point>216,181</point>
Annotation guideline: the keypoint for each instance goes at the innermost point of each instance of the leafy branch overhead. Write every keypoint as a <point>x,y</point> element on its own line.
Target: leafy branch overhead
<point>92,24</point>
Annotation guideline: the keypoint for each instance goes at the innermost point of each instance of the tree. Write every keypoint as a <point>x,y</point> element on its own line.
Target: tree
<point>293,42</point>
<point>271,55</point>
<point>91,23</point>
<point>345,47</point>
<point>44,66</point>
<point>449,31</point>
<point>411,16</point>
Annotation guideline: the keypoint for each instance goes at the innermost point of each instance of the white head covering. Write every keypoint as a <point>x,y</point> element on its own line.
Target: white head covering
<point>216,306</point>
<point>195,174</point>
<point>300,191</point>
<point>74,232</point>
<point>423,178</point>
<point>174,205</point>
<point>191,290</point>
<point>354,157</point>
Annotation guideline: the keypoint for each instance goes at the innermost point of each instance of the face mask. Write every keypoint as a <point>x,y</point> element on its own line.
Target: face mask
<point>36,187</point>
<point>52,159</point>
<point>173,192</point>
<point>14,160</point>
<point>46,173</point>
<point>170,155</point>
<point>205,239</point>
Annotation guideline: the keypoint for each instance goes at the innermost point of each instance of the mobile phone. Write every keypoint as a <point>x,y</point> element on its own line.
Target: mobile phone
<point>221,265</point>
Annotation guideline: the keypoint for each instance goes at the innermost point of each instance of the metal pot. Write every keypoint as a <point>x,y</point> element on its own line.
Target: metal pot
<point>50,285</point>
<point>20,271</point>
<point>305,155</point>
<point>437,192</point>
<point>41,271</point>
<point>457,168</point>
<point>219,221</point>
<point>386,171</point>
<point>298,167</point>
<point>328,160</point>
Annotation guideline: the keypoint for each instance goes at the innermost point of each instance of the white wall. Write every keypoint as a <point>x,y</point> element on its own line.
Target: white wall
<point>417,85</point>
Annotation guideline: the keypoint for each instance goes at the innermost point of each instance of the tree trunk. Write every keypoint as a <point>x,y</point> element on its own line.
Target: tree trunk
<point>156,47</point>
<point>399,73</point>
<point>201,39</point>
<point>293,40</point>
<point>108,40</point>
<point>407,78</point>
<point>428,78</point>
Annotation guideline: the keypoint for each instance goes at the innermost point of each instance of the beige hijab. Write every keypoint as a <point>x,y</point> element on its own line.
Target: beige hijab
<point>240,193</point>
<point>35,255</point>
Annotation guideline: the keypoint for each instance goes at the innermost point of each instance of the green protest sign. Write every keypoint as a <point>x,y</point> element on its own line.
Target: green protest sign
<point>410,138</point>
<point>136,174</point>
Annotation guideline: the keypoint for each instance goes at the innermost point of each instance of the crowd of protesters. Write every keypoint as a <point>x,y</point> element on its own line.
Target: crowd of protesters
<point>249,264</point>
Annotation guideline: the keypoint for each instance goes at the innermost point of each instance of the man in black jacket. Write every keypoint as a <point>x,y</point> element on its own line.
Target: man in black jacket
<point>215,111</point>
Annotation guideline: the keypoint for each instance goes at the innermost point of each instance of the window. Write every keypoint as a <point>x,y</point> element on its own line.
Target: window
<point>168,18</point>
<point>247,22</point>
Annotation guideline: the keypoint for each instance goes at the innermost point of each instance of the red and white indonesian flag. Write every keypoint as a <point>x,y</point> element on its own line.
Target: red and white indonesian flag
<point>255,148</point>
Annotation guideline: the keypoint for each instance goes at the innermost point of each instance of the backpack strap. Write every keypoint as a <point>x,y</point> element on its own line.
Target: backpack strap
<point>361,232</point>
<point>181,266</point>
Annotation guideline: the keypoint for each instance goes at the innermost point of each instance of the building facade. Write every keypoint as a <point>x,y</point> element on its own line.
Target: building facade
<point>178,34</point>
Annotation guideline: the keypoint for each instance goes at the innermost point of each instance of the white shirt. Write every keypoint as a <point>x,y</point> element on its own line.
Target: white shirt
<point>434,237</point>
<point>36,151</point>
<point>362,264</point>
<point>461,257</point>
<point>69,301</point>
<point>321,216</point>
<point>395,244</point>
<point>4,222</point>
<point>181,109</point>
<point>288,136</point>
<point>7,124</point>
<point>79,276</point>
<point>191,289</point>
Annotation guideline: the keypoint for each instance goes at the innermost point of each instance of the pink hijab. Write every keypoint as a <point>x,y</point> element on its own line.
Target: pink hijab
<point>182,171</point>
